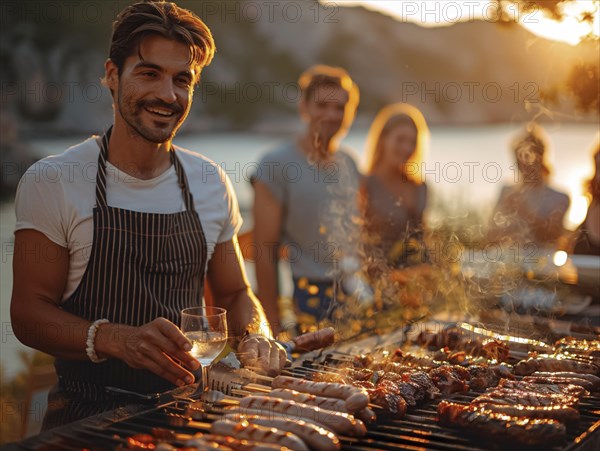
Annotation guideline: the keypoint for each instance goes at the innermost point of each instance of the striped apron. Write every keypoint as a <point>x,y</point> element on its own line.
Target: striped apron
<point>142,266</point>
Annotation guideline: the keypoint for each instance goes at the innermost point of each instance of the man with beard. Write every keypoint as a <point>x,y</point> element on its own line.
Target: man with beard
<point>305,193</point>
<point>115,236</point>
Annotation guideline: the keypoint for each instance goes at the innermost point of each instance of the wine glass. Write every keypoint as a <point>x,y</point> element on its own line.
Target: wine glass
<point>206,328</point>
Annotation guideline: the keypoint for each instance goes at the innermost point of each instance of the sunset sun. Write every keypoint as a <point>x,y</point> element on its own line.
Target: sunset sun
<point>570,29</point>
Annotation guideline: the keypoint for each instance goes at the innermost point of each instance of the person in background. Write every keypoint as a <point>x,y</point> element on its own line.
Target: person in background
<point>529,213</point>
<point>393,194</point>
<point>588,233</point>
<point>305,198</point>
<point>115,236</point>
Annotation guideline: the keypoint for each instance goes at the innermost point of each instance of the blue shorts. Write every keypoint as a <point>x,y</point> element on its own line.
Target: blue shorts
<point>314,301</point>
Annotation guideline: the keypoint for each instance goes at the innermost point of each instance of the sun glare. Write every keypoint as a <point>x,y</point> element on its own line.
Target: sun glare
<point>436,13</point>
<point>570,29</point>
<point>577,210</point>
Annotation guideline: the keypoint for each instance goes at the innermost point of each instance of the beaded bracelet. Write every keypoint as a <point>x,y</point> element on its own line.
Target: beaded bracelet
<point>90,349</point>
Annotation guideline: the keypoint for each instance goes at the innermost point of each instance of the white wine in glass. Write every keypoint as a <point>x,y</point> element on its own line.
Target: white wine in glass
<point>206,328</point>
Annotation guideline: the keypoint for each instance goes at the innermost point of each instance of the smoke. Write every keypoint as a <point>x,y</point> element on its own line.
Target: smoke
<point>453,269</point>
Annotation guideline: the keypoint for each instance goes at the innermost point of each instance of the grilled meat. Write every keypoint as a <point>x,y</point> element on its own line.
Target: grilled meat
<point>584,348</point>
<point>404,359</point>
<point>500,426</point>
<point>453,357</point>
<point>511,397</point>
<point>362,374</point>
<point>496,350</point>
<point>567,389</point>
<point>564,414</point>
<point>425,384</point>
<point>414,386</point>
<point>329,377</point>
<point>451,337</point>
<point>387,395</point>
<point>482,377</point>
<point>594,380</point>
<point>560,380</point>
<point>450,379</point>
<point>553,364</point>
<point>362,361</point>
<point>457,339</point>
<point>368,385</point>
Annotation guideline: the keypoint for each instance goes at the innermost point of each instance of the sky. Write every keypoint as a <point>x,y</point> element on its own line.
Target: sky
<point>433,13</point>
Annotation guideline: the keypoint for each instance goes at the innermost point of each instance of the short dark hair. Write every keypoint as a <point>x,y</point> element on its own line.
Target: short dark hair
<point>165,19</point>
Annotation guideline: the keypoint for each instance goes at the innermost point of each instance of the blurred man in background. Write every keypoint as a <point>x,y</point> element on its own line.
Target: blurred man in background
<point>305,196</point>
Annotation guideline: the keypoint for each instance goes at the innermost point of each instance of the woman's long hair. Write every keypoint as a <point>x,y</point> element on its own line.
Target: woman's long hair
<point>593,184</point>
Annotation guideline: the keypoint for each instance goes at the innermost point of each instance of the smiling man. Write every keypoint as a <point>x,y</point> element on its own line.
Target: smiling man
<point>116,235</point>
<point>304,200</point>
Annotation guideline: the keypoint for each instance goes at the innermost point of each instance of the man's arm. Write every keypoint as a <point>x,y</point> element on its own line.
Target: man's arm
<point>268,217</point>
<point>231,290</point>
<point>40,269</point>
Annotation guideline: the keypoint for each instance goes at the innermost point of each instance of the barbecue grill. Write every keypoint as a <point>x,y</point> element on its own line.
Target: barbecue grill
<point>418,430</point>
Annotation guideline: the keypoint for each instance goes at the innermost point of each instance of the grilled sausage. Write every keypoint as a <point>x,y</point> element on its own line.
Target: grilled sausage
<point>560,380</point>
<point>314,436</point>
<point>567,389</point>
<point>365,415</point>
<point>524,398</point>
<point>314,340</point>
<point>595,380</point>
<point>202,441</point>
<point>585,348</point>
<point>357,401</point>
<point>564,414</point>
<point>502,427</point>
<point>552,364</point>
<point>335,404</point>
<point>241,412</point>
<point>340,422</point>
<point>249,431</point>
<point>356,398</point>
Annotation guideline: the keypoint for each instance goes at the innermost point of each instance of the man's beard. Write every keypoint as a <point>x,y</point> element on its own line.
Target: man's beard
<point>132,110</point>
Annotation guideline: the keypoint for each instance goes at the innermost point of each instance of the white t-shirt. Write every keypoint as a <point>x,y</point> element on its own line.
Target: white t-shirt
<point>57,195</point>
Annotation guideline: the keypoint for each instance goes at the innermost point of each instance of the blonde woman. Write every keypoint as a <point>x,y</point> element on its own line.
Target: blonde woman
<point>394,195</point>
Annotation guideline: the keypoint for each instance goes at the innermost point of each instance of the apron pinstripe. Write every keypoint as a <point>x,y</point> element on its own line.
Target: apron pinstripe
<point>142,266</point>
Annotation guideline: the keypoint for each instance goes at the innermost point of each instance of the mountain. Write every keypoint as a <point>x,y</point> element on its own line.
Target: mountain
<point>468,73</point>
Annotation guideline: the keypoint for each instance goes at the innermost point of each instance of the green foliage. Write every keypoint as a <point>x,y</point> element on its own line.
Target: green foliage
<point>582,83</point>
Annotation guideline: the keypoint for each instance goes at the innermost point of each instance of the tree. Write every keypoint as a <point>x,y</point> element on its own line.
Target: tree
<point>582,83</point>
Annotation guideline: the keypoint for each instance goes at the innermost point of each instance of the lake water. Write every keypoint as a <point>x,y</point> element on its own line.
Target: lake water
<point>464,170</point>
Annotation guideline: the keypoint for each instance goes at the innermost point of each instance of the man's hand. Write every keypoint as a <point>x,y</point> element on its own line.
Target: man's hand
<point>158,346</point>
<point>261,354</point>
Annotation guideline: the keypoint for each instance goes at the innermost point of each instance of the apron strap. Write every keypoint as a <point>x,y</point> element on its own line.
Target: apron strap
<point>101,176</point>
<point>183,181</point>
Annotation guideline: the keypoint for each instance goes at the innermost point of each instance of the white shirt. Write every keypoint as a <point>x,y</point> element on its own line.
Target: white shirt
<point>57,195</point>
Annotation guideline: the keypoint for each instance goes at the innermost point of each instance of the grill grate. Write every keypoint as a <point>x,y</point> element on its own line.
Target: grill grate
<point>418,430</point>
